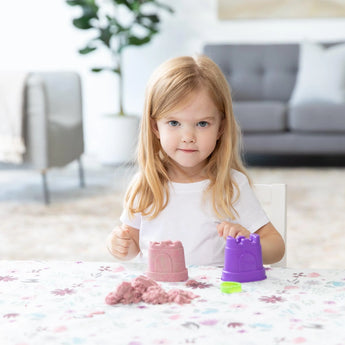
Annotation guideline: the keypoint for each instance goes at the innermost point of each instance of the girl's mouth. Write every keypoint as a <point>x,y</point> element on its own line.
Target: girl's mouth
<point>187,150</point>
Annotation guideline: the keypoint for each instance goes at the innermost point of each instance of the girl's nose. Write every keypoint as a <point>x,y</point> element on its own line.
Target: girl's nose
<point>188,137</point>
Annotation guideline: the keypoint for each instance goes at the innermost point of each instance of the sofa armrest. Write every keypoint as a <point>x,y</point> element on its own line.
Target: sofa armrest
<point>54,119</point>
<point>36,123</point>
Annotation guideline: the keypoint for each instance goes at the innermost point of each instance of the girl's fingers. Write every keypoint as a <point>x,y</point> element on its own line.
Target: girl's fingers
<point>121,238</point>
<point>120,242</point>
<point>226,229</point>
<point>121,253</point>
<point>120,247</point>
<point>220,228</point>
<point>123,243</point>
<point>123,233</point>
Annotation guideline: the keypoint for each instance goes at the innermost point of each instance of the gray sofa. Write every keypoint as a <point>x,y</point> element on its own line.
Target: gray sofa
<point>262,79</point>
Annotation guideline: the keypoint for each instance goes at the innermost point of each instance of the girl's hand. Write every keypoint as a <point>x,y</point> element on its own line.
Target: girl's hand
<point>226,229</point>
<point>121,244</point>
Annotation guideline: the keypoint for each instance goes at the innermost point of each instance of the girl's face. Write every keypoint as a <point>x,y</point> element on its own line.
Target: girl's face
<point>189,135</point>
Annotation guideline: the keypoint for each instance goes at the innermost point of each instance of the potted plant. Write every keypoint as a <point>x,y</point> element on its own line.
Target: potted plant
<point>118,24</point>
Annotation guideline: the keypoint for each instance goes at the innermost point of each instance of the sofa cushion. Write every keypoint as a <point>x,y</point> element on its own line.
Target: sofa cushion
<point>321,74</point>
<point>260,116</point>
<point>317,117</point>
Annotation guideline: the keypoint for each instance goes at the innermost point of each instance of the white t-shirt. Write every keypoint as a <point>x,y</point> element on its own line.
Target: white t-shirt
<point>190,219</point>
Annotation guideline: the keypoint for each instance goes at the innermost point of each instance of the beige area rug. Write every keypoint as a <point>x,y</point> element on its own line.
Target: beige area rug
<point>75,225</point>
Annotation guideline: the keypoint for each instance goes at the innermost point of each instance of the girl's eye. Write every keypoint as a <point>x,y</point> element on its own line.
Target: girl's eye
<point>203,124</point>
<point>173,123</point>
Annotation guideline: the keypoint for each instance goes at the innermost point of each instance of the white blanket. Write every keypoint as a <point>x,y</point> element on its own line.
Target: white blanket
<point>12,87</point>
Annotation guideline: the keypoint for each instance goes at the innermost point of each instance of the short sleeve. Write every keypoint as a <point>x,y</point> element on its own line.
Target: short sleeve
<point>250,212</point>
<point>134,222</point>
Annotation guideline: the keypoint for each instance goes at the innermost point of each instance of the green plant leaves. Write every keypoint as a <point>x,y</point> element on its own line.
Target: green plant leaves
<point>82,23</point>
<point>112,33</point>
<point>136,41</point>
<point>117,24</point>
<point>101,69</point>
<point>106,35</point>
<point>87,50</point>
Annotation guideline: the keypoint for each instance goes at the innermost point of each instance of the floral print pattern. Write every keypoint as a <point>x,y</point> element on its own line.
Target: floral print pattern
<point>64,302</point>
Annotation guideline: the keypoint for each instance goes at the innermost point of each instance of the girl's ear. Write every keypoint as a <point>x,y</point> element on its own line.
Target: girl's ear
<point>155,128</point>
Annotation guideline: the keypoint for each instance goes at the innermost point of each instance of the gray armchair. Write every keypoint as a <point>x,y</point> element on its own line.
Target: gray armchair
<point>53,125</point>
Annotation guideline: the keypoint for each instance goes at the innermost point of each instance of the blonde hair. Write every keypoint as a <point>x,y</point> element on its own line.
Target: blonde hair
<point>167,90</point>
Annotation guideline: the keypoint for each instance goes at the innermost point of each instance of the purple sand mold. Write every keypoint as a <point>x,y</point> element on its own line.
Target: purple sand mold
<point>243,260</point>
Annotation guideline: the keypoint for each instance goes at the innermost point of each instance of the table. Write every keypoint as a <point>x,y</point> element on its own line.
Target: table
<point>63,303</point>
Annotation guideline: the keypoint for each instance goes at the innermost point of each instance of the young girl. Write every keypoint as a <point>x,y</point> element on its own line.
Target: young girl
<point>191,184</point>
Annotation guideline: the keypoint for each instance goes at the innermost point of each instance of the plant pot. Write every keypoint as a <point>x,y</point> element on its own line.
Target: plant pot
<point>118,139</point>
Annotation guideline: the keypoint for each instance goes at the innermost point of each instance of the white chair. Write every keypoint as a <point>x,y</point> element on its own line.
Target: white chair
<point>273,200</point>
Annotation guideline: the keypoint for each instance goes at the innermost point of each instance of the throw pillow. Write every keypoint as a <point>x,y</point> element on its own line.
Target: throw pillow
<point>321,74</point>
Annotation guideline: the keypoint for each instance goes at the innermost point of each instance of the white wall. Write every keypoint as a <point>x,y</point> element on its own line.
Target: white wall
<point>38,35</point>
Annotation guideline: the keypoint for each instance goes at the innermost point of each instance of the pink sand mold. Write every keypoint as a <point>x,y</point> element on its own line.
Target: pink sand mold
<point>143,289</point>
<point>167,262</point>
<point>243,260</point>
